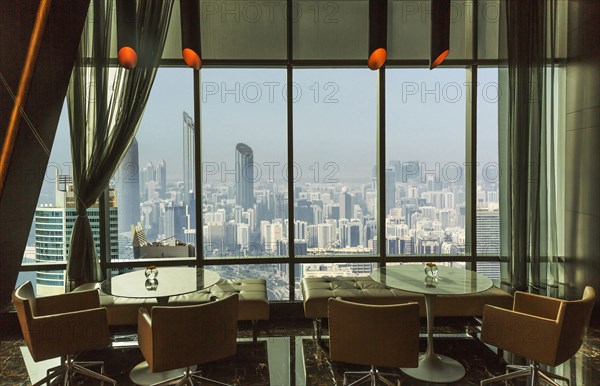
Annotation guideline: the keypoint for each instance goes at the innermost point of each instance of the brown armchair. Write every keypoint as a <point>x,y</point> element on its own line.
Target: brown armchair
<point>374,335</point>
<point>62,326</point>
<point>545,330</point>
<point>181,337</point>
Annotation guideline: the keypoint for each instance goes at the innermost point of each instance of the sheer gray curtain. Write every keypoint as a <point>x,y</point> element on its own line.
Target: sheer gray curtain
<point>527,134</point>
<point>105,106</point>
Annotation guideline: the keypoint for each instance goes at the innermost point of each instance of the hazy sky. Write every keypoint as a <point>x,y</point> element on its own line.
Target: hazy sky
<point>335,118</point>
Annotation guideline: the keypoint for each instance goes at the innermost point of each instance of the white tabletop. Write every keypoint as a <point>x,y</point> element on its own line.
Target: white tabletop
<point>450,281</point>
<point>171,281</point>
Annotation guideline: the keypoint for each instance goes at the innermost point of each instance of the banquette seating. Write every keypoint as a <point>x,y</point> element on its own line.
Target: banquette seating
<point>316,292</point>
<point>253,301</point>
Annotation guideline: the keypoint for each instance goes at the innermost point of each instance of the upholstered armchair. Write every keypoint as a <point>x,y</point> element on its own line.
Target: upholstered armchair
<point>182,337</point>
<point>373,335</point>
<point>63,326</point>
<point>545,330</point>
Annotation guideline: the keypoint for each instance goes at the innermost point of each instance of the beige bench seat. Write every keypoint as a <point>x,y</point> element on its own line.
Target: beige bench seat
<point>316,292</point>
<point>253,304</point>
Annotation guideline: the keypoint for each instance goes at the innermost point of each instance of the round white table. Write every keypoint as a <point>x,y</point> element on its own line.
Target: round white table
<point>171,281</point>
<point>450,281</point>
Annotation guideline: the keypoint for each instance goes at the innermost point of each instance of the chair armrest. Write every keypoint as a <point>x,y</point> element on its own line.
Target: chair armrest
<point>68,333</point>
<point>537,305</point>
<point>69,302</point>
<point>145,334</point>
<point>530,336</point>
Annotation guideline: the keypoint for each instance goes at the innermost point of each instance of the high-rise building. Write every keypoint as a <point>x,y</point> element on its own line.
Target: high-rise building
<point>53,229</point>
<point>488,241</point>
<point>345,204</point>
<point>128,189</point>
<point>161,178</point>
<point>244,176</point>
<point>188,158</point>
<point>390,189</point>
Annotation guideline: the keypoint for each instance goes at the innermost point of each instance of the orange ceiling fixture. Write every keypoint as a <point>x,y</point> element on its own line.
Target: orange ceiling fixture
<point>20,98</point>
<point>126,34</point>
<point>190,33</point>
<point>378,10</point>
<point>440,32</point>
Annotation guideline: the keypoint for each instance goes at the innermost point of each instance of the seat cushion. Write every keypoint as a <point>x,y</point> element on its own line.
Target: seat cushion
<point>316,292</point>
<point>254,304</point>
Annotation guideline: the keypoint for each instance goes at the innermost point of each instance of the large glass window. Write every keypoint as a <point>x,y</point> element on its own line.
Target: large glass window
<point>425,171</point>
<point>244,163</point>
<point>50,234</point>
<point>488,172</point>
<point>153,187</point>
<point>335,147</point>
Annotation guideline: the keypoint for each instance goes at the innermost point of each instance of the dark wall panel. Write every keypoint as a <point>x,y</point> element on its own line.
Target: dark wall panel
<point>582,246</point>
<point>42,108</point>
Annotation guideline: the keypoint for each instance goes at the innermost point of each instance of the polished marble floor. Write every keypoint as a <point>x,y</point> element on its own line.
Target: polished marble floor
<point>288,355</point>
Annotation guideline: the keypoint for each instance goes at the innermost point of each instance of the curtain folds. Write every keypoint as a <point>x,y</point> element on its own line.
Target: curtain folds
<point>528,157</point>
<point>105,106</point>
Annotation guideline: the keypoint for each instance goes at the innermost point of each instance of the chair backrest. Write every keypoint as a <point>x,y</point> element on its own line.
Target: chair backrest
<point>191,335</point>
<point>377,335</point>
<point>25,305</point>
<point>574,317</point>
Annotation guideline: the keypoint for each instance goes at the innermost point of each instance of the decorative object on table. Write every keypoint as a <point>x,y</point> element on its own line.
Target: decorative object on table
<point>431,270</point>
<point>431,281</point>
<point>151,272</point>
<point>151,285</point>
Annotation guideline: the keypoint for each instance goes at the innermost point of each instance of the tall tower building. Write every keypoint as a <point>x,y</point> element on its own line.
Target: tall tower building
<point>188,158</point>
<point>161,178</point>
<point>345,204</point>
<point>128,189</point>
<point>53,229</point>
<point>488,241</point>
<point>244,176</point>
<point>390,190</point>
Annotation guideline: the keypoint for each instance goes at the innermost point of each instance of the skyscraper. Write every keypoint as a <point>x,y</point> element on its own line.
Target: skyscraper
<point>345,204</point>
<point>53,229</point>
<point>244,176</point>
<point>128,189</point>
<point>188,158</point>
<point>390,190</point>
<point>488,241</point>
<point>161,178</point>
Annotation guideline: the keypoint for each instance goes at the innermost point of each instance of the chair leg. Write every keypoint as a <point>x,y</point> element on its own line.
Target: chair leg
<point>56,372</point>
<point>254,330</point>
<point>183,381</point>
<point>317,328</point>
<point>545,378</point>
<point>359,381</point>
<point>92,374</point>
<point>559,377</point>
<point>505,377</point>
<point>382,377</point>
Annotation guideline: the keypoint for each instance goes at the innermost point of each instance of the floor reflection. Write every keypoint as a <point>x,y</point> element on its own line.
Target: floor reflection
<point>288,355</point>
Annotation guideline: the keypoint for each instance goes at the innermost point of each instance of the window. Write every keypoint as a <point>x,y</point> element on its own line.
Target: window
<point>152,184</point>
<point>335,133</point>
<point>488,172</point>
<point>49,238</point>
<point>425,171</point>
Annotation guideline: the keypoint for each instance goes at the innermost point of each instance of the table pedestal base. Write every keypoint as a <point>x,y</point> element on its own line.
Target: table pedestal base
<point>436,368</point>
<point>142,375</point>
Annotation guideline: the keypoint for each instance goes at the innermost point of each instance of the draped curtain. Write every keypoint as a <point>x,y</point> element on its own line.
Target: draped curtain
<point>529,209</point>
<point>105,104</point>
